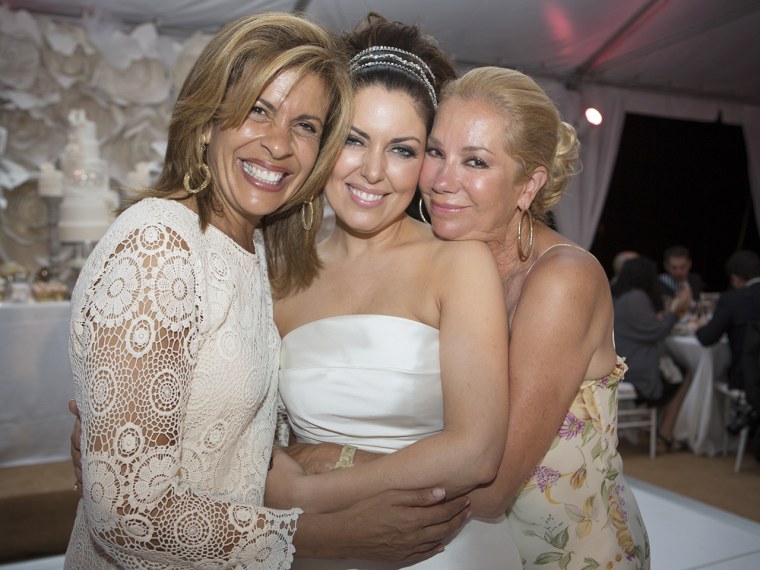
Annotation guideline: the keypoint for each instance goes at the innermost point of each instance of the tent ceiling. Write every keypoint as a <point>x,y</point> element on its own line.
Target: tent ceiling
<point>705,48</point>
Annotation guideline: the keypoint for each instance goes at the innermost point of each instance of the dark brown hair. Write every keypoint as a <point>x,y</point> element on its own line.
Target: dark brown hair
<point>375,30</point>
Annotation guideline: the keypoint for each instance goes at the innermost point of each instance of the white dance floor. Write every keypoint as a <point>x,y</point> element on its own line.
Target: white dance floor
<point>688,535</point>
<point>683,534</point>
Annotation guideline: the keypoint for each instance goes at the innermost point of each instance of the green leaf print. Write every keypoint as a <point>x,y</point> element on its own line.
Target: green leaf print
<point>597,449</point>
<point>588,431</point>
<point>565,561</point>
<point>590,564</point>
<point>606,487</point>
<point>574,513</point>
<point>548,558</point>
<point>558,540</point>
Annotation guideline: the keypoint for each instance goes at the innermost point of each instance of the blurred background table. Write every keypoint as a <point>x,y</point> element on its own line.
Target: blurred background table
<point>700,421</point>
<point>35,383</point>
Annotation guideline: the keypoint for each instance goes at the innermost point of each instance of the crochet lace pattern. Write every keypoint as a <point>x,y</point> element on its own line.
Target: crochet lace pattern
<point>175,359</point>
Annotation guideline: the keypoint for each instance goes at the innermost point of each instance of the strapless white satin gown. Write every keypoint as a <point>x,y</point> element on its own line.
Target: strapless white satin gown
<point>374,381</point>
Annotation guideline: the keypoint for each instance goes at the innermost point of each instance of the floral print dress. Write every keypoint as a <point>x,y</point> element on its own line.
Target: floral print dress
<point>576,511</point>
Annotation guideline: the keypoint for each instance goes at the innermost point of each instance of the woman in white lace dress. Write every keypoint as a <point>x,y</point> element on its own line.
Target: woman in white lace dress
<point>173,344</point>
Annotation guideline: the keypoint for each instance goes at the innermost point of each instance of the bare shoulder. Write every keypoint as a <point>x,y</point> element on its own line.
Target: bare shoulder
<point>570,261</point>
<point>566,270</point>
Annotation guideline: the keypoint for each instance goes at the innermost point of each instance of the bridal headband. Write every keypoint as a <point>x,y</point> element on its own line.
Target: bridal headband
<point>389,56</point>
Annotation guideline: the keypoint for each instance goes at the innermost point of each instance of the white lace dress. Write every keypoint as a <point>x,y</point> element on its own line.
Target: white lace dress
<point>175,357</point>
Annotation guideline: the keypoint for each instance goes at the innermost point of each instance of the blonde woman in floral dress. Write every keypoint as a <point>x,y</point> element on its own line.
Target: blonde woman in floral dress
<point>498,160</point>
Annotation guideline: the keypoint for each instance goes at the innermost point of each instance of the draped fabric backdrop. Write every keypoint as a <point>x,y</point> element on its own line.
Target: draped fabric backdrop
<point>126,79</point>
<point>579,211</point>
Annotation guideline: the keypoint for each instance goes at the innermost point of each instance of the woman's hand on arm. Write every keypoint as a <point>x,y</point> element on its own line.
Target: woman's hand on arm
<point>408,526</point>
<point>316,458</point>
<point>288,473</point>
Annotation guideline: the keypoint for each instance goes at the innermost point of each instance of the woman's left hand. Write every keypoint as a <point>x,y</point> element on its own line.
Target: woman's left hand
<point>284,481</point>
<point>314,458</point>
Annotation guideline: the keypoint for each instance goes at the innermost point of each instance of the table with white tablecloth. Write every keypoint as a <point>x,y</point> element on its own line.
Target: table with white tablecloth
<point>700,421</point>
<point>35,383</point>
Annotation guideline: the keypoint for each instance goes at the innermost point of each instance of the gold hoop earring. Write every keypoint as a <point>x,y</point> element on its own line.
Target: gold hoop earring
<point>307,219</point>
<point>524,255</point>
<point>422,213</point>
<point>201,167</point>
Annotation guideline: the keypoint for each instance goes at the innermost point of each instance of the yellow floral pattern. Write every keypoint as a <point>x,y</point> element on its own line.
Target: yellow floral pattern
<point>576,510</point>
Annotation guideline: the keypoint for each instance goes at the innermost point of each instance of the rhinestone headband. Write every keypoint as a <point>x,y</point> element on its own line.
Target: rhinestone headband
<point>387,56</point>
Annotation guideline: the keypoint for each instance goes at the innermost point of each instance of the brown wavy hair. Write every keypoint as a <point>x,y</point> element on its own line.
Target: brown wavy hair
<point>222,87</point>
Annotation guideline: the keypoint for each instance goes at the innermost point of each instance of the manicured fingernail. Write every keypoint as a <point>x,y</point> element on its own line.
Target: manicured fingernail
<point>439,493</point>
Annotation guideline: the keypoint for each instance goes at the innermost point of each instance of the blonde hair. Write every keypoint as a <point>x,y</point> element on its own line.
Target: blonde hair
<point>222,87</point>
<point>534,136</point>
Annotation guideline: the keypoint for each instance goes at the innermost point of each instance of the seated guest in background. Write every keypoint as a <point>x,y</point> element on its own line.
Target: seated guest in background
<point>678,274</point>
<point>619,260</point>
<point>748,413</point>
<point>639,332</point>
<point>738,315</point>
<point>735,309</point>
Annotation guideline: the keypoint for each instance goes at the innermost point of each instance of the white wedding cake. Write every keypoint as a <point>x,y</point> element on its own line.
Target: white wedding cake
<point>88,204</point>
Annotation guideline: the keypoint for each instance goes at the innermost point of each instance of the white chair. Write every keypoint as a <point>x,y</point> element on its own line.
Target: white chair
<point>732,396</point>
<point>632,416</point>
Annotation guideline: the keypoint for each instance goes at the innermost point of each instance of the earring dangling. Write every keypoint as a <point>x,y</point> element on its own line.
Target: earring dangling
<point>202,167</point>
<point>524,255</point>
<point>420,207</point>
<point>307,219</point>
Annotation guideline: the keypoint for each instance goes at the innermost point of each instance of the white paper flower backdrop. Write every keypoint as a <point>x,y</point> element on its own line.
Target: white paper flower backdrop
<point>126,80</point>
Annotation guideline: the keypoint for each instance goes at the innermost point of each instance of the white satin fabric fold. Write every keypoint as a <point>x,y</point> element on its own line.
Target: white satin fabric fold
<point>374,381</point>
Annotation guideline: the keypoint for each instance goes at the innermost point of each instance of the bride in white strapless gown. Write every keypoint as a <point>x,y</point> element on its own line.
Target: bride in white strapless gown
<point>373,381</point>
<point>425,389</point>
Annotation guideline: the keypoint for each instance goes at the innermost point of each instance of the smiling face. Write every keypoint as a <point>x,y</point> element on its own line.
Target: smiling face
<point>259,165</point>
<point>468,179</point>
<point>376,174</point>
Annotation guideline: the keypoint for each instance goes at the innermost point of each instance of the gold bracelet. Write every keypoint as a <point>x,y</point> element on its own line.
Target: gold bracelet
<point>346,458</point>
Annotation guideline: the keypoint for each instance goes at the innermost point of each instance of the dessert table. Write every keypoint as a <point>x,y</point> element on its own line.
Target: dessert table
<point>700,421</point>
<point>35,383</point>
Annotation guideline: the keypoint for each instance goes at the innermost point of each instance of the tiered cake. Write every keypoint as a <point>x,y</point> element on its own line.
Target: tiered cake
<point>88,203</point>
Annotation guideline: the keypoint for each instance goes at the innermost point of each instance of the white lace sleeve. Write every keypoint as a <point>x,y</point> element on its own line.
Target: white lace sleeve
<point>134,335</point>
